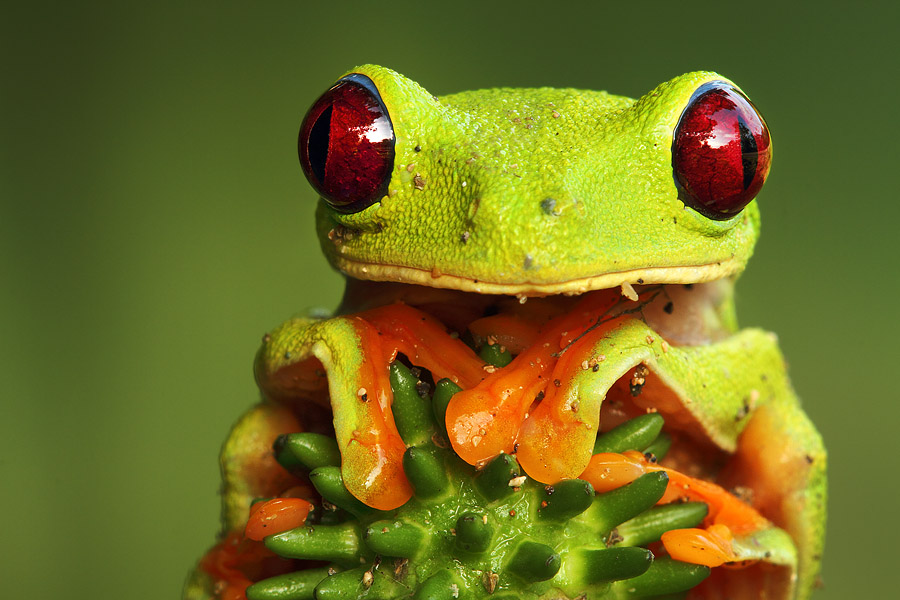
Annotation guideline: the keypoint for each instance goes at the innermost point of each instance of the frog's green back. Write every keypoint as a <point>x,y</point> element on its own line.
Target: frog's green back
<point>534,192</point>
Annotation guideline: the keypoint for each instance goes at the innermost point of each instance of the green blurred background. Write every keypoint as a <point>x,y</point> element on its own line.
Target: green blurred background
<point>155,223</point>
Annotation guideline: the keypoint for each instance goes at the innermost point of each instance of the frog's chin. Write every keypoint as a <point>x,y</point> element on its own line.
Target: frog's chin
<point>640,276</point>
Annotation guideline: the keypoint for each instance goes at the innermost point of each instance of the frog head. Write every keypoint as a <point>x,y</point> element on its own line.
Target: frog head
<point>535,191</point>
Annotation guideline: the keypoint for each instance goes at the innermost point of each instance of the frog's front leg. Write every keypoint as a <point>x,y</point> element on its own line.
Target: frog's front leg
<point>354,353</point>
<point>299,354</point>
<point>732,413</point>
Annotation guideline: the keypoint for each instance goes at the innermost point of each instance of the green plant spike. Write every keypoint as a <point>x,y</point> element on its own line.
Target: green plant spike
<point>495,354</point>
<point>443,392</point>
<point>412,414</point>
<point>306,451</point>
<point>613,508</point>
<point>566,499</point>
<point>533,561</point>
<point>334,543</point>
<point>443,585</point>
<point>329,483</point>
<point>633,434</point>
<point>298,585</point>
<point>603,565</point>
<point>660,446</point>
<point>426,472</point>
<point>649,526</point>
<point>665,576</point>
<point>473,532</point>
<point>493,481</point>
<point>395,538</point>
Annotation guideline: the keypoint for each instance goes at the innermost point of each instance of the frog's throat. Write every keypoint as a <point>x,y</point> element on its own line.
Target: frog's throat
<point>646,275</point>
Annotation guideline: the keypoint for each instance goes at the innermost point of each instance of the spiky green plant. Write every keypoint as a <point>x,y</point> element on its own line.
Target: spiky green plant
<point>470,533</point>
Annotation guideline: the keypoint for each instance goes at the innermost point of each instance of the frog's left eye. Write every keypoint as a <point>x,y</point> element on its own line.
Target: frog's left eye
<point>346,145</point>
<point>721,151</point>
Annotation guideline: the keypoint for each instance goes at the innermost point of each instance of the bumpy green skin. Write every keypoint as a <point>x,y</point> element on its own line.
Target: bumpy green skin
<point>534,191</point>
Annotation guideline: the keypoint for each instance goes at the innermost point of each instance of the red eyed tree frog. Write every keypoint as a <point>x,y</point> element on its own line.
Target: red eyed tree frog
<point>539,279</point>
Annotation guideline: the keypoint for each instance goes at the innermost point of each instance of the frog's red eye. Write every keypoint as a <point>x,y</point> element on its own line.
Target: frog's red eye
<point>347,145</point>
<point>721,152</point>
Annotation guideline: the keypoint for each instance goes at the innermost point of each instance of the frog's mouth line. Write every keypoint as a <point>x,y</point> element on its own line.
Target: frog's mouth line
<point>436,279</point>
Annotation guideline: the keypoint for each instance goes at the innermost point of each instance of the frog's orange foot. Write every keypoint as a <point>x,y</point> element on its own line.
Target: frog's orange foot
<point>303,358</point>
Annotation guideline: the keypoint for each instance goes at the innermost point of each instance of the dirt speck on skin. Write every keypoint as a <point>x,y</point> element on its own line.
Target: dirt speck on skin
<point>638,380</point>
<point>489,580</point>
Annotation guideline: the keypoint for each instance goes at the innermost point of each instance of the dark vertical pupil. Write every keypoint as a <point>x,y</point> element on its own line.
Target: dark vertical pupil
<point>749,152</point>
<point>318,144</point>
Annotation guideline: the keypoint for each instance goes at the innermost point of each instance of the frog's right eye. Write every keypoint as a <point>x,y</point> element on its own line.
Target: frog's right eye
<point>346,145</point>
<point>721,151</point>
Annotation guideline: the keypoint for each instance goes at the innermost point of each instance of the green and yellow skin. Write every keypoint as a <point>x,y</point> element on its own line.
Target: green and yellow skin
<point>524,196</point>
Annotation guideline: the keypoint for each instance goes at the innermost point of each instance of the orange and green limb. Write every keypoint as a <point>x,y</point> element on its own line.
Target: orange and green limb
<point>354,353</point>
<point>733,393</point>
<point>699,389</point>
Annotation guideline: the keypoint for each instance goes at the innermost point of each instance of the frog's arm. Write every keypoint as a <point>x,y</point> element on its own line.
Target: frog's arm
<point>739,393</point>
<point>733,395</point>
<point>354,355</point>
<point>360,398</point>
